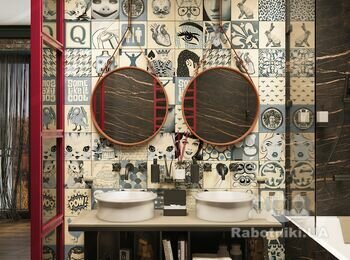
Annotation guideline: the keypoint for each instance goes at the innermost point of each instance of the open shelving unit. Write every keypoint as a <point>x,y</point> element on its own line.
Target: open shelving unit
<point>104,240</point>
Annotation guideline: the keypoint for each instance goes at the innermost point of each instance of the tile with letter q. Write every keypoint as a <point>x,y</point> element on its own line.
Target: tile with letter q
<point>78,35</point>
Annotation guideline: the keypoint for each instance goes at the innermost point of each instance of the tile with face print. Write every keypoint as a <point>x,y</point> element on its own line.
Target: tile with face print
<point>302,10</point>
<point>105,34</point>
<point>78,146</point>
<point>77,10</point>
<point>138,10</point>
<point>188,147</point>
<point>248,149</point>
<point>74,252</point>
<point>49,149</point>
<point>189,35</point>
<point>161,34</point>
<point>214,37</point>
<point>133,175</point>
<point>49,174</point>
<point>272,119</point>
<point>75,171</point>
<point>303,175</point>
<point>218,57</point>
<point>189,10</point>
<point>186,183</point>
<point>273,201</point>
<point>274,172</point>
<point>272,90</point>
<point>133,58</point>
<point>303,35</point>
<point>271,62</point>
<point>272,34</point>
<point>49,117</point>
<point>161,10</point>
<point>77,201</point>
<point>303,203</point>
<point>161,62</point>
<point>219,177</point>
<point>106,174</point>
<point>245,35</point>
<point>211,10</point>
<point>72,237</point>
<point>78,63</point>
<point>137,37</point>
<point>187,62</point>
<point>78,35</point>
<point>105,9</point>
<point>250,60</point>
<point>302,146</point>
<point>100,58</point>
<point>162,147</point>
<point>303,119</point>
<point>272,10</point>
<point>272,147</point>
<point>180,125</point>
<point>77,91</point>
<point>78,118</point>
<point>216,153</point>
<point>302,90</point>
<point>244,174</point>
<point>102,148</point>
<point>302,62</point>
<point>244,10</point>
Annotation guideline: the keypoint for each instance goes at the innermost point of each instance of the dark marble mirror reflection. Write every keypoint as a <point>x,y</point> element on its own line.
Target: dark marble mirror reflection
<point>221,106</point>
<point>129,106</point>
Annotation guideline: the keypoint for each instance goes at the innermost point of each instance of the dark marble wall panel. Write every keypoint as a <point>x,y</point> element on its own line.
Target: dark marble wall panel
<point>304,247</point>
<point>333,141</point>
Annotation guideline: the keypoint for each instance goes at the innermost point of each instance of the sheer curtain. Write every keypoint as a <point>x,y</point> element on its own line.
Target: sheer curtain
<point>14,133</point>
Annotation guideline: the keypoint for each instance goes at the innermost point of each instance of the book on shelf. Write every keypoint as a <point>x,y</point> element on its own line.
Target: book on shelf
<point>168,252</point>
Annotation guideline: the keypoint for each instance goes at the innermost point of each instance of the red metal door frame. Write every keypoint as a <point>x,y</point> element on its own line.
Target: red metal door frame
<point>38,229</point>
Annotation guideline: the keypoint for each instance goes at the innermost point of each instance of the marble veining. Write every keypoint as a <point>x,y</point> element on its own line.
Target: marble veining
<point>333,141</point>
<point>129,105</point>
<point>225,108</point>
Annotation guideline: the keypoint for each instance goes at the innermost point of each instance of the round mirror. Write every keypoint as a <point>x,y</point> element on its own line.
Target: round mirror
<point>220,106</point>
<point>129,106</point>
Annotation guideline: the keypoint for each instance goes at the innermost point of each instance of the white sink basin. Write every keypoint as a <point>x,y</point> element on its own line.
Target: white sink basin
<point>125,206</point>
<point>223,206</point>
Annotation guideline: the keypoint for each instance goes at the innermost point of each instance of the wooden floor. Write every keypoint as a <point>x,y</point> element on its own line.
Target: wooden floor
<point>15,240</point>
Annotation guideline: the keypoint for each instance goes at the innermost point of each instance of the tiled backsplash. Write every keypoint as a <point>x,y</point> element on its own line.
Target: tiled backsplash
<point>170,33</point>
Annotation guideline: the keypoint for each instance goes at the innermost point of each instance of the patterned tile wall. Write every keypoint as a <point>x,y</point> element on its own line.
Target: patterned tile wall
<point>302,113</point>
<point>171,33</point>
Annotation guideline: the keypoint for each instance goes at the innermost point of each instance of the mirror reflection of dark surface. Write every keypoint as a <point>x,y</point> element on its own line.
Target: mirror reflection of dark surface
<point>221,106</point>
<point>129,106</point>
